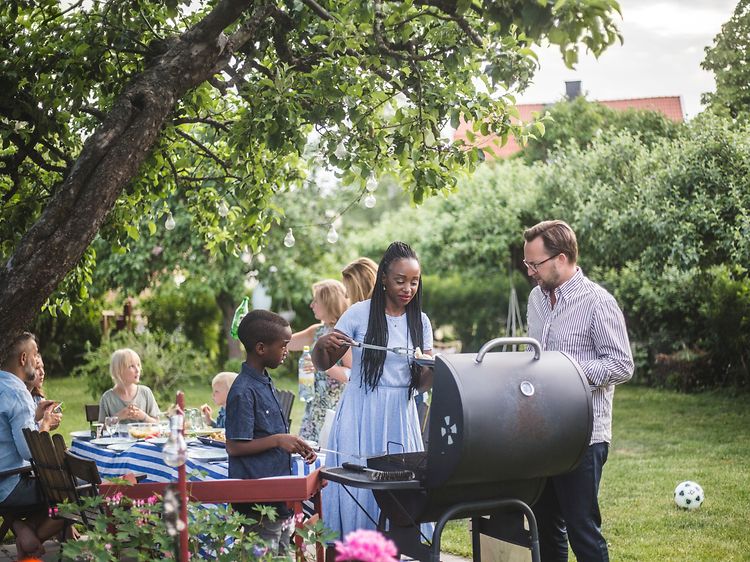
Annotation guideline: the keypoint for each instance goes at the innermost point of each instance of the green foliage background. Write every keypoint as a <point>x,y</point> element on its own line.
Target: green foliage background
<point>168,362</point>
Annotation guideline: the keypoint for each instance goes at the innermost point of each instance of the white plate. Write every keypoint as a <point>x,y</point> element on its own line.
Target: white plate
<point>157,440</point>
<point>106,441</point>
<point>207,454</point>
<point>121,446</point>
<point>81,434</point>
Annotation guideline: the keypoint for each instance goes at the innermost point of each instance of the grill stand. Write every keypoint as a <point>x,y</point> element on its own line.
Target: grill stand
<point>506,520</point>
<point>507,526</point>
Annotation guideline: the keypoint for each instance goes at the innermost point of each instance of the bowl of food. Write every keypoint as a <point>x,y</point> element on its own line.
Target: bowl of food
<point>144,430</point>
<point>216,439</point>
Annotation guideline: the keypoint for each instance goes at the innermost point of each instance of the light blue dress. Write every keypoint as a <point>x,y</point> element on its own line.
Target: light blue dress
<point>367,420</point>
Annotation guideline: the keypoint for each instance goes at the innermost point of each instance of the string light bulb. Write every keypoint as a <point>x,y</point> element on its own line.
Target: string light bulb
<point>332,235</point>
<point>340,151</point>
<point>289,239</point>
<point>179,277</point>
<point>223,209</point>
<point>371,184</point>
<point>170,223</point>
<point>370,201</point>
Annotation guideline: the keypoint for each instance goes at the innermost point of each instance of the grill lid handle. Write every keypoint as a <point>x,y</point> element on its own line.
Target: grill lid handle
<point>509,341</point>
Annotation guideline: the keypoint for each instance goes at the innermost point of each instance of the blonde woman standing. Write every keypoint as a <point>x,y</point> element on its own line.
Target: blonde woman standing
<point>328,304</point>
<point>128,400</point>
<point>359,279</point>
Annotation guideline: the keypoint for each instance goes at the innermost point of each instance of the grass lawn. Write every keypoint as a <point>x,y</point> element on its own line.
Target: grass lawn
<point>660,439</point>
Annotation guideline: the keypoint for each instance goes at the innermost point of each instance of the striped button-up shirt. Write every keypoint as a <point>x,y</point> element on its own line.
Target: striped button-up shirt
<point>587,324</point>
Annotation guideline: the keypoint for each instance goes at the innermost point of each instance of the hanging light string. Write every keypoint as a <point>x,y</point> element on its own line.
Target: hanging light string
<point>332,236</point>
<point>371,184</point>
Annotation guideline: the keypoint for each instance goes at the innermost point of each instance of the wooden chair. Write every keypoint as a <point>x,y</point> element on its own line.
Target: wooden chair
<point>92,412</point>
<point>286,401</point>
<point>52,468</point>
<point>87,480</point>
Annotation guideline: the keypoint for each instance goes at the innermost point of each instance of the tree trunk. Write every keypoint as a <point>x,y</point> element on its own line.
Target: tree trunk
<point>109,160</point>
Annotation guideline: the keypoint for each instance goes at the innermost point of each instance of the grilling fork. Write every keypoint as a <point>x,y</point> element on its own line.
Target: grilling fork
<point>405,351</point>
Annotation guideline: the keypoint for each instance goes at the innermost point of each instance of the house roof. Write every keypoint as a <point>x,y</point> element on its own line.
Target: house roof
<point>669,106</point>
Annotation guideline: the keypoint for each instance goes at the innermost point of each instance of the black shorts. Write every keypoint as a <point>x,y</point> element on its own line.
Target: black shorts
<point>25,494</point>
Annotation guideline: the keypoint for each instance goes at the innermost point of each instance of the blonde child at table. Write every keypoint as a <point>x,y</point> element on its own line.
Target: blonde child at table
<point>128,400</point>
<point>220,386</point>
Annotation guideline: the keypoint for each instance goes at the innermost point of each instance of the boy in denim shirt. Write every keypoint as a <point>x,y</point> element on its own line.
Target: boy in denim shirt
<point>258,440</point>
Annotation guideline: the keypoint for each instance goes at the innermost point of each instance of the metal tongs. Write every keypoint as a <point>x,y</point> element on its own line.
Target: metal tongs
<point>404,351</point>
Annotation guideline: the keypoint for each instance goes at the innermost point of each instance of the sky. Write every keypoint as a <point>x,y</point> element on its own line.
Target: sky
<point>663,47</point>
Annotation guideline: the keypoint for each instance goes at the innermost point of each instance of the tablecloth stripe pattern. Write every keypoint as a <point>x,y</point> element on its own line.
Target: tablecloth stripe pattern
<point>147,458</point>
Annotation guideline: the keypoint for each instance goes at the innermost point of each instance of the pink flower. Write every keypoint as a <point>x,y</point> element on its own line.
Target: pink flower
<point>115,499</point>
<point>151,500</point>
<point>108,546</point>
<point>366,546</point>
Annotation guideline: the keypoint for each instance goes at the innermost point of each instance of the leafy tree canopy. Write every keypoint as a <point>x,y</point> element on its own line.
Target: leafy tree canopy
<point>108,108</point>
<point>729,59</point>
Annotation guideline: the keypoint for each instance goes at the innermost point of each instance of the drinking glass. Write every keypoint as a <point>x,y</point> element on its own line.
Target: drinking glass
<point>111,424</point>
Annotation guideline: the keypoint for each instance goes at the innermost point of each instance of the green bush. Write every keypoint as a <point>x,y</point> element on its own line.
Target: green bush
<point>168,361</point>
<point>475,307</point>
<point>725,314</point>
<point>63,339</point>
<point>190,308</point>
<point>694,324</point>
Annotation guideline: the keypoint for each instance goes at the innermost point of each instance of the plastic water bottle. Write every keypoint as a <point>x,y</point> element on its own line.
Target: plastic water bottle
<point>239,314</point>
<point>306,374</point>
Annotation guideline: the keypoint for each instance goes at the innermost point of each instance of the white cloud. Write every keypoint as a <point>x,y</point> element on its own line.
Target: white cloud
<point>672,19</point>
<point>663,47</point>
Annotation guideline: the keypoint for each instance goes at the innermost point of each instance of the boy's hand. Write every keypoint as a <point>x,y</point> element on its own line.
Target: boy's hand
<point>207,413</point>
<point>293,444</point>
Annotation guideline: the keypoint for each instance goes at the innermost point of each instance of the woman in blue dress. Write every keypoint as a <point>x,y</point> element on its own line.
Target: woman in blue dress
<point>377,413</point>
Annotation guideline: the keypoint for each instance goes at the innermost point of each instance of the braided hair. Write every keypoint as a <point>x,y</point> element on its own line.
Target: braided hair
<point>377,327</point>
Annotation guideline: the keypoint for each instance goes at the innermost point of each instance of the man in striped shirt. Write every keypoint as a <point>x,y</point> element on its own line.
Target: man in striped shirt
<point>568,312</point>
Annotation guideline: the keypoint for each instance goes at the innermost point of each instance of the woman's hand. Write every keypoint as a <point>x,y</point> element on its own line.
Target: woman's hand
<point>50,420</point>
<point>334,341</point>
<point>329,349</point>
<point>42,408</point>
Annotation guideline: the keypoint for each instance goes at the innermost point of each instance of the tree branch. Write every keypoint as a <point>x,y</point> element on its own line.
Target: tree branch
<point>204,120</point>
<point>203,148</point>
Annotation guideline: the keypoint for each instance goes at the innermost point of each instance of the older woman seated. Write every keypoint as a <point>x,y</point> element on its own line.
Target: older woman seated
<point>128,400</point>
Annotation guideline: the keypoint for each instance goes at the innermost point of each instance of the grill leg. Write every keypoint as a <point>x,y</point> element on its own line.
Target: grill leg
<point>488,506</point>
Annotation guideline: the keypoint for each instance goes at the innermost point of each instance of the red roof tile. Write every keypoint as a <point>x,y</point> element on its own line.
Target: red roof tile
<point>669,106</point>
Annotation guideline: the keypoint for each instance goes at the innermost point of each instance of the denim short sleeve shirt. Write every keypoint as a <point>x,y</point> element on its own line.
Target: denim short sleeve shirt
<point>252,412</point>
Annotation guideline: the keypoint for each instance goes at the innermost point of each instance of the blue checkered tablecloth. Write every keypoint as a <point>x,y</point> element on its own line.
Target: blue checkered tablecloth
<point>146,458</point>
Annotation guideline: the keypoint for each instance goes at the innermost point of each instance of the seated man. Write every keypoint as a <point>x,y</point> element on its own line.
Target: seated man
<point>17,412</point>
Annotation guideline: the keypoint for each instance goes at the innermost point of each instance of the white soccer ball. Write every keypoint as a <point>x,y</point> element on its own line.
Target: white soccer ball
<point>688,495</point>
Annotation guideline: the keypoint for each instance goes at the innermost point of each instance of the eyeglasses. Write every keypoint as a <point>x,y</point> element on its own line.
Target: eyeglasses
<point>535,266</point>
